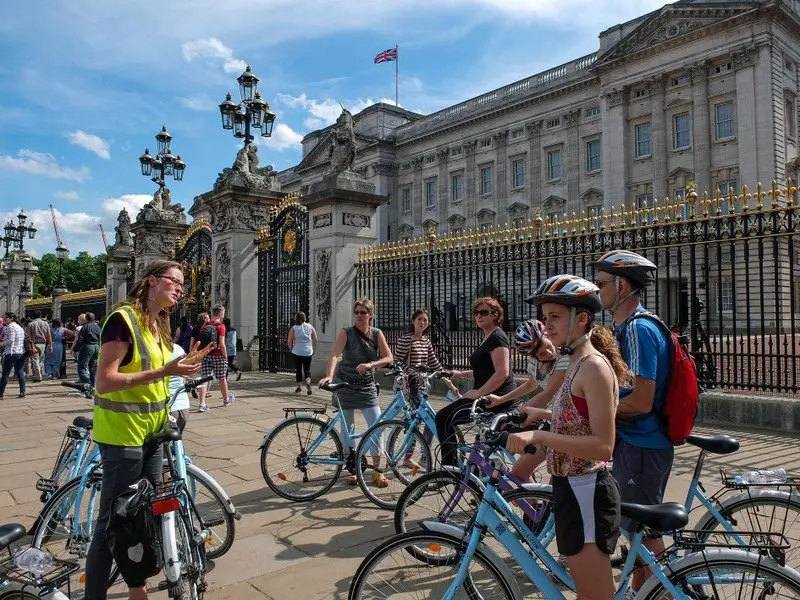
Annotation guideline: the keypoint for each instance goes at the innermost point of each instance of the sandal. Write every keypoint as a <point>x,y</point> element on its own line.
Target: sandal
<point>379,479</point>
<point>352,480</point>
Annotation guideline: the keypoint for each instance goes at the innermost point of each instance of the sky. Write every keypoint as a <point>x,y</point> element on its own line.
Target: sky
<point>85,86</point>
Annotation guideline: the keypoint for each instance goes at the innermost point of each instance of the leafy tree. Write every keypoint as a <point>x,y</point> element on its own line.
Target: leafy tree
<point>84,272</point>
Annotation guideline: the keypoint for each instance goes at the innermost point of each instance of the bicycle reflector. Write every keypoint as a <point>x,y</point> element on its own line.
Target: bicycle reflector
<point>166,505</point>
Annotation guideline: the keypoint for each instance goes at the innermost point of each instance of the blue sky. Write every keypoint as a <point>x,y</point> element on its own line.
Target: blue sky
<point>84,86</point>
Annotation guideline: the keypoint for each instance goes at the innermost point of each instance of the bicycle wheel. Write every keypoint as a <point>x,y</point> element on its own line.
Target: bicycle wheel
<point>288,469</point>
<point>768,511</point>
<point>438,496</point>
<point>192,556</point>
<point>725,573</point>
<point>17,595</point>
<point>58,534</point>
<point>212,509</point>
<point>61,470</point>
<point>405,455</point>
<point>391,571</point>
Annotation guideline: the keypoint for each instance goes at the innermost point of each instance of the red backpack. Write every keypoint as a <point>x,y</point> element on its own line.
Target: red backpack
<point>682,394</point>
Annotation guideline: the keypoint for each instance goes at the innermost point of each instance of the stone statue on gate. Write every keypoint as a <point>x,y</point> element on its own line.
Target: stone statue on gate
<point>242,162</point>
<point>342,153</point>
<point>245,172</point>
<point>122,231</point>
<point>161,209</point>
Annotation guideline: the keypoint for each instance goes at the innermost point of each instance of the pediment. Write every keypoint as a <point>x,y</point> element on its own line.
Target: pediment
<point>319,154</point>
<point>486,213</point>
<point>406,229</point>
<point>554,202</point>
<point>518,209</point>
<point>679,101</point>
<point>430,223</point>
<point>679,172</point>
<point>592,195</point>
<point>671,23</point>
<point>456,219</point>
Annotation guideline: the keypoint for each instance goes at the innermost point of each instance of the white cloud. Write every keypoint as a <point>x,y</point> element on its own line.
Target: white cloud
<point>41,163</point>
<point>200,102</point>
<point>131,202</point>
<point>90,142</point>
<point>73,195</point>
<point>325,112</point>
<point>283,137</point>
<point>213,51</point>
<point>78,229</point>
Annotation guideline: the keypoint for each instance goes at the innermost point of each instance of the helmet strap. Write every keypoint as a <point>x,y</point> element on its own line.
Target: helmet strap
<point>618,300</point>
<point>569,348</point>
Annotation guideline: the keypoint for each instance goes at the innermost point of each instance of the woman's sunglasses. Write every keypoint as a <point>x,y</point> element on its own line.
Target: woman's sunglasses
<point>484,312</point>
<point>360,312</point>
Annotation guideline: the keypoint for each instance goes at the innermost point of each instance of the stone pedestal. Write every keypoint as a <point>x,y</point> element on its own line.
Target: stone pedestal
<point>20,271</point>
<point>56,306</point>
<point>341,220</point>
<point>155,240</point>
<point>235,213</point>
<point>118,262</point>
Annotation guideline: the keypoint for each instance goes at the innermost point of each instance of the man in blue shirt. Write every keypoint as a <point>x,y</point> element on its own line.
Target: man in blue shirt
<point>643,454</point>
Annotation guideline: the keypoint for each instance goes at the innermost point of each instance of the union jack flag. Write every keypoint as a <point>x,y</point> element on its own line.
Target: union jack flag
<point>386,55</point>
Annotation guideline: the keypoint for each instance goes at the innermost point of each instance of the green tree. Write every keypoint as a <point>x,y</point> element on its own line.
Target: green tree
<point>84,272</point>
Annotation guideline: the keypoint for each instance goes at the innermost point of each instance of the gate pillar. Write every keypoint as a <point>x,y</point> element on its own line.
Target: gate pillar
<point>341,220</point>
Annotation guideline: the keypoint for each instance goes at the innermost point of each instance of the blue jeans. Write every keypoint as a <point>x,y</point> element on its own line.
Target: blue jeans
<point>18,362</point>
<point>87,363</point>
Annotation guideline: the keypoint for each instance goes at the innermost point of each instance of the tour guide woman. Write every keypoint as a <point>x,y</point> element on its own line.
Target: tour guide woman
<point>132,377</point>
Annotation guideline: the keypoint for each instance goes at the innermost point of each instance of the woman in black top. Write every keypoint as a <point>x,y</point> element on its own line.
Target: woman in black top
<point>490,373</point>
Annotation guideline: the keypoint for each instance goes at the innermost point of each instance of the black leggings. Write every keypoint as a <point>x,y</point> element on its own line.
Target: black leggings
<point>456,413</point>
<point>231,366</point>
<point>302,364</point>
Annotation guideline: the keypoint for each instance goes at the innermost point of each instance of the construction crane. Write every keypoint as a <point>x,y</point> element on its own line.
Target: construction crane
<point>60,241</point>
<point>103,233</point>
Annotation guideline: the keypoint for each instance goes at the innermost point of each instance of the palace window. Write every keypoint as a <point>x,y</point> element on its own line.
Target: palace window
<point>790,115</point>
<point>457,187</point>
<point>551,123</point>
<point>723,115</point>
<point>642,140</point>
<point>486,180</point>
<point>595,214</point>
<point>554,165</point>
<point>594,160</point>
<point>517,133</point>
<point>430,193</point>
<point>592,111</point>
<point>518,173</point>
<point>407,199</point>
<point>680,127</point>
<point>644,202</point>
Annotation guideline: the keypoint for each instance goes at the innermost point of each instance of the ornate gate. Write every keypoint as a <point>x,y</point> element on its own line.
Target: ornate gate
<point>193,251</point>
<point>282,282</point>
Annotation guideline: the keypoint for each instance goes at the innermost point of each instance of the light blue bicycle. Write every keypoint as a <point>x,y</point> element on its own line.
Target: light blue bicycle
<point>441,561</point>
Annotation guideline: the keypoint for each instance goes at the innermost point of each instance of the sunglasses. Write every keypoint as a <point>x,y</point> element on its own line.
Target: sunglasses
<point>175,281</point>
<point>484,312</point>
<point>360,312</point>
<point>601,282</point>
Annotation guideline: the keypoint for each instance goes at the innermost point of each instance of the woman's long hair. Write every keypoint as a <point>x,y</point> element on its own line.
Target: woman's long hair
<point>606,344</point>
<point>137,299</point>
<point>418,312</point>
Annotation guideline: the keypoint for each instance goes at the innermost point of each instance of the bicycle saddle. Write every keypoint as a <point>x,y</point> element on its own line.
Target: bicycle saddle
<point>11,533</point>
<point>170,435</point>
<point>333,386</point>
<point>663,517</point>
<point>716,444</point>
<point>84,422</point>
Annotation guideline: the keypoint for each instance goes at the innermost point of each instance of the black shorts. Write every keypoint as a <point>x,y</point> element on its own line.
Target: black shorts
<point>586,509</point>
<point>642,474</point>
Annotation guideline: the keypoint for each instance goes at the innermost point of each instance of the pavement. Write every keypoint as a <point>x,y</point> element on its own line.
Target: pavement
<point>282,550</point>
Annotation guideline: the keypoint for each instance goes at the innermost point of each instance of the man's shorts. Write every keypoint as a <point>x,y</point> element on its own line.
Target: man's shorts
<point>586,511</point>
<point>642,474</point>
<point>215,365</point>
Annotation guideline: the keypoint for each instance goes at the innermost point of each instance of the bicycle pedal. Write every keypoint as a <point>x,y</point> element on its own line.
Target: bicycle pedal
<point>46,485</point>
<point>214,522</point>
<point>162,585</point>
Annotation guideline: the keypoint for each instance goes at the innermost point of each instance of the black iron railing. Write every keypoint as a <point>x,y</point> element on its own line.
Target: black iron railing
<point>728,276</point>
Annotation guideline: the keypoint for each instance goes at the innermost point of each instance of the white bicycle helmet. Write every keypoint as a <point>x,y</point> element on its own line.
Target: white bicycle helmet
<point>627,264</point>
<point>528,337</point>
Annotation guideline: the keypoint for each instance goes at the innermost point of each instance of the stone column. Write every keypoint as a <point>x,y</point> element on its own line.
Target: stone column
<point>343,220</point>
<point>755,127</point>
<point>659,139</point>
<point>500,140</point>
<point>20,272</point>
<point>55,308</point>
<point>155,240</point>
<point>417,191</point>
<point>235,214</point>
<point>535,165</point>
<point>471,203</point>
<point>615,149</point>
<point>573,159</point>
<point>701,128</point>
<point>444,186</point>
<point>118,263</point>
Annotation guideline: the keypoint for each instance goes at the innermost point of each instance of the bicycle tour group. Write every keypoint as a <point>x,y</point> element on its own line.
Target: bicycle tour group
<point>602,407</point>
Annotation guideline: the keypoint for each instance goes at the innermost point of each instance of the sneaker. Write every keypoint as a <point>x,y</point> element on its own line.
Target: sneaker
<point>231,399</point>
<point>410,463</point>
<point>238,375</point>
<point>297,390</point>
<point>202,408</point>
<point>309,390</point>
<point>379,479</point>
<point>352,480</point>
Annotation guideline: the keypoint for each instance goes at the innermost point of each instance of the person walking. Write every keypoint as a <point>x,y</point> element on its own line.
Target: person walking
<point>40,341</point>
<point>216,362</point>
<point>54,357</point>
<point>13,353</point>
<point>643,454</point>
<point>301,341</point>
<point>231,347</point>
<point>179,411</point>
<point>88,349</point>
<point>134,367</point>
<point>183,334</point>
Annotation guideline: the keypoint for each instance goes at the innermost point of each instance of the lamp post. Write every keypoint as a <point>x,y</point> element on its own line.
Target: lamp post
<point>251,112</point>
<point>164,163</point>
<point>62,252</point>
<point>14,238</point>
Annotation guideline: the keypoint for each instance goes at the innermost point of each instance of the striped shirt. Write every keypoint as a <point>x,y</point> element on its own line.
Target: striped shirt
<point>13,338</point>
<point>413,352</point>
<point>534,370</point>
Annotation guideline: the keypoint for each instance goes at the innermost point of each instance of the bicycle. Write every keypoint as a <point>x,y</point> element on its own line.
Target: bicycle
<point>18,583</point>
<point>295,460</point>
<point>403,438</point>
<point>476,571</point>
<point>65,526</point>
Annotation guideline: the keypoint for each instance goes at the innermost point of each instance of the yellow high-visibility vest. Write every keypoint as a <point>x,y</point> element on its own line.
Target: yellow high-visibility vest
<point>127,417</point>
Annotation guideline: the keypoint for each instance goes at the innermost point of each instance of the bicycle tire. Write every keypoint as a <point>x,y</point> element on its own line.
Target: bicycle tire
<point>19,595</point>
<point>193,558</point>
<point>473,587</point>
<point>314,424</point>
<point>210,517</point>
<point>747,503</point>
<point>58,508</point>
<point>401,476</point>
<point>725,560</point>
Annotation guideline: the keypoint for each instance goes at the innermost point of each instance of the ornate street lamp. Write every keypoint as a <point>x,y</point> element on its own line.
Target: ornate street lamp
<point>62,252</point>
<point>164,163</point>
<point>14,238</point>
<point>251,112</point>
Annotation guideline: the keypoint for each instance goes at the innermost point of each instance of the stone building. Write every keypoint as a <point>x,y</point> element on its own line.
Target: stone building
<point>695,91</point>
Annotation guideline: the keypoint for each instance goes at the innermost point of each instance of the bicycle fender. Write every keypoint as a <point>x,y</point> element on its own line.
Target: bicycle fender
<point>538,487</point>
<point>458,535</point>
<point>730,555</point>
<point>200,474</point>
<point>282,421</point>
<point>746,496</point>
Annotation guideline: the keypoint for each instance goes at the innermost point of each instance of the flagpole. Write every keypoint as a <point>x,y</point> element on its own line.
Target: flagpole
<point>396,74</point>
